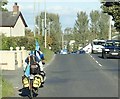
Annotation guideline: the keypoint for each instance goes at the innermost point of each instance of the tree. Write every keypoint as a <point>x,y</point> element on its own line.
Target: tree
<point>29,33</point>
<point>2,4</point>
<point>103,26</point>
<point>99,25</point>
<point>81,28</point>
<point>113,9</point>
<point>94,16</point>
<point>54,39</point>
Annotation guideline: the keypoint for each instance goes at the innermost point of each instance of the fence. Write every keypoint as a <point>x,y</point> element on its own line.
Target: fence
<point>12,59</point>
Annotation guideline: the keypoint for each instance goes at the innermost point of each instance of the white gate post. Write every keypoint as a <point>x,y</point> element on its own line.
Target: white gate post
<point>24,54</point>
<point>19,57</point>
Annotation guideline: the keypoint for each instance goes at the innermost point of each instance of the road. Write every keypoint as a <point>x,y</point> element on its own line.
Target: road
<point>81,75</point>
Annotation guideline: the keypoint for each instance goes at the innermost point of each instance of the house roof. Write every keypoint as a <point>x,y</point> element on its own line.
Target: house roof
<point>8,19</point>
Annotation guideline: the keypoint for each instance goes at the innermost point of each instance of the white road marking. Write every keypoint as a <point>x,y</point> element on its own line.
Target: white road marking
<point>100,65</point>
<point>96,61</point>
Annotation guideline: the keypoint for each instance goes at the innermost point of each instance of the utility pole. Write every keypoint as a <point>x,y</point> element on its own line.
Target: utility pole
<point>34,20</point>
<point>42,27</point>
<point>39,17</point>
<point>110,35</point>
<point>62,40</point>
<point>45,26</point>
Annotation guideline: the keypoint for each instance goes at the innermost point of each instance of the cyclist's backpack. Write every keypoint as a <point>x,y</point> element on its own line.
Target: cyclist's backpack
<point>34,66</point>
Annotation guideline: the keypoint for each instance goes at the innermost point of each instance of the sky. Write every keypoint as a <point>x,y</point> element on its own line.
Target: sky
<point>66,9</point>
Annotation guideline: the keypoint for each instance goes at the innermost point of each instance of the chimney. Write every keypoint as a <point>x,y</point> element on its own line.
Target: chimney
<point>15,8</point>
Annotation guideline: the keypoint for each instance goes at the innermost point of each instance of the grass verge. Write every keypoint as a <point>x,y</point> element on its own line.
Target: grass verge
<point>7,88</point>
<point>48,55</point>
<point>0,87</point>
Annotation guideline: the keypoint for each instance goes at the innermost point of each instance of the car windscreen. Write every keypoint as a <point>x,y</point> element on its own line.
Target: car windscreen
<point>98,43</point>
<point>109,44</point>
<point>116,43</point>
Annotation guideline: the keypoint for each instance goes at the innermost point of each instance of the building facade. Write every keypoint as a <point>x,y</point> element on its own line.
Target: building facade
<point>12,23</point>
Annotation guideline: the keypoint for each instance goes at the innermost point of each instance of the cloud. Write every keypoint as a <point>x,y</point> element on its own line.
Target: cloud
<point>64,10</point>
<point>54,0</point>
<point>26,8</point>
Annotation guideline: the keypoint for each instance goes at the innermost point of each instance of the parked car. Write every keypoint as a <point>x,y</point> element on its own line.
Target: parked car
<point>64,51</point>
<point>81,51</point>
<point>111,49</point>
<point>97,46</point>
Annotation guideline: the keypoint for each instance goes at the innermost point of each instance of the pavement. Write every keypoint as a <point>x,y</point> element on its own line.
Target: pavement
<point>15,78</point>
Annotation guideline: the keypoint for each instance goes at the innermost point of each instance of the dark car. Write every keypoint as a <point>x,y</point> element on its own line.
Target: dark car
<point>111,49</point>
<point>81,51</point>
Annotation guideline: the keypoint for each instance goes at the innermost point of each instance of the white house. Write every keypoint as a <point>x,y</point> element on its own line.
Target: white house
<point>12,23</point>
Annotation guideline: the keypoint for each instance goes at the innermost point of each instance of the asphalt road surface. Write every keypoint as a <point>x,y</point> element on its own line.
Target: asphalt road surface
<point>73,75</point>
<point>80,76</point>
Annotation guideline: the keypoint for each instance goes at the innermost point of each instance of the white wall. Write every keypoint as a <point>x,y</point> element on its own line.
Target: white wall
<point>6,30</point>
<point>7,60</point>
<point>19,28</point>
<point>11,60</point>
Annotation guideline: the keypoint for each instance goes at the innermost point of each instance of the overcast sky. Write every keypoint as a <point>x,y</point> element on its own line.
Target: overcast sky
<point>67,9</point>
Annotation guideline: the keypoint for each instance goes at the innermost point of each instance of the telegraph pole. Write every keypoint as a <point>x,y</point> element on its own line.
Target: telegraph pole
<point>45,26</point>
<point>42,27</point>
<point>34,19</point>
<point>110,35</point>
<point>38,17</point>
<point>62,40</point>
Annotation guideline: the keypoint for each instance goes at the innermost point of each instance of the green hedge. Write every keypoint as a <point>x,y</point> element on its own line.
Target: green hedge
<point>27,42</point>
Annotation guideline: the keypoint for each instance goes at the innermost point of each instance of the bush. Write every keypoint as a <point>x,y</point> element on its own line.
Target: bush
<point>48,55</point>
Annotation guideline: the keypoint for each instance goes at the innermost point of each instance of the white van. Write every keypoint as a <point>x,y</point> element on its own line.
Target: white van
<point>97,46</point>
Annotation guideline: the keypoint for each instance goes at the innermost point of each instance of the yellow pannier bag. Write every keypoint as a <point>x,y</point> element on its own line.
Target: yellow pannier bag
<point>25,81</point>
<point>37,81</point>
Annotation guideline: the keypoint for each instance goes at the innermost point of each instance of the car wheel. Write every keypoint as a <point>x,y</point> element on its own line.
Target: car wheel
<point>104,56</point>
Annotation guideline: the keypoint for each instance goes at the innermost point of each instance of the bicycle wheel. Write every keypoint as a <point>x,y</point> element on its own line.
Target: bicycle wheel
<point>31,89</point>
